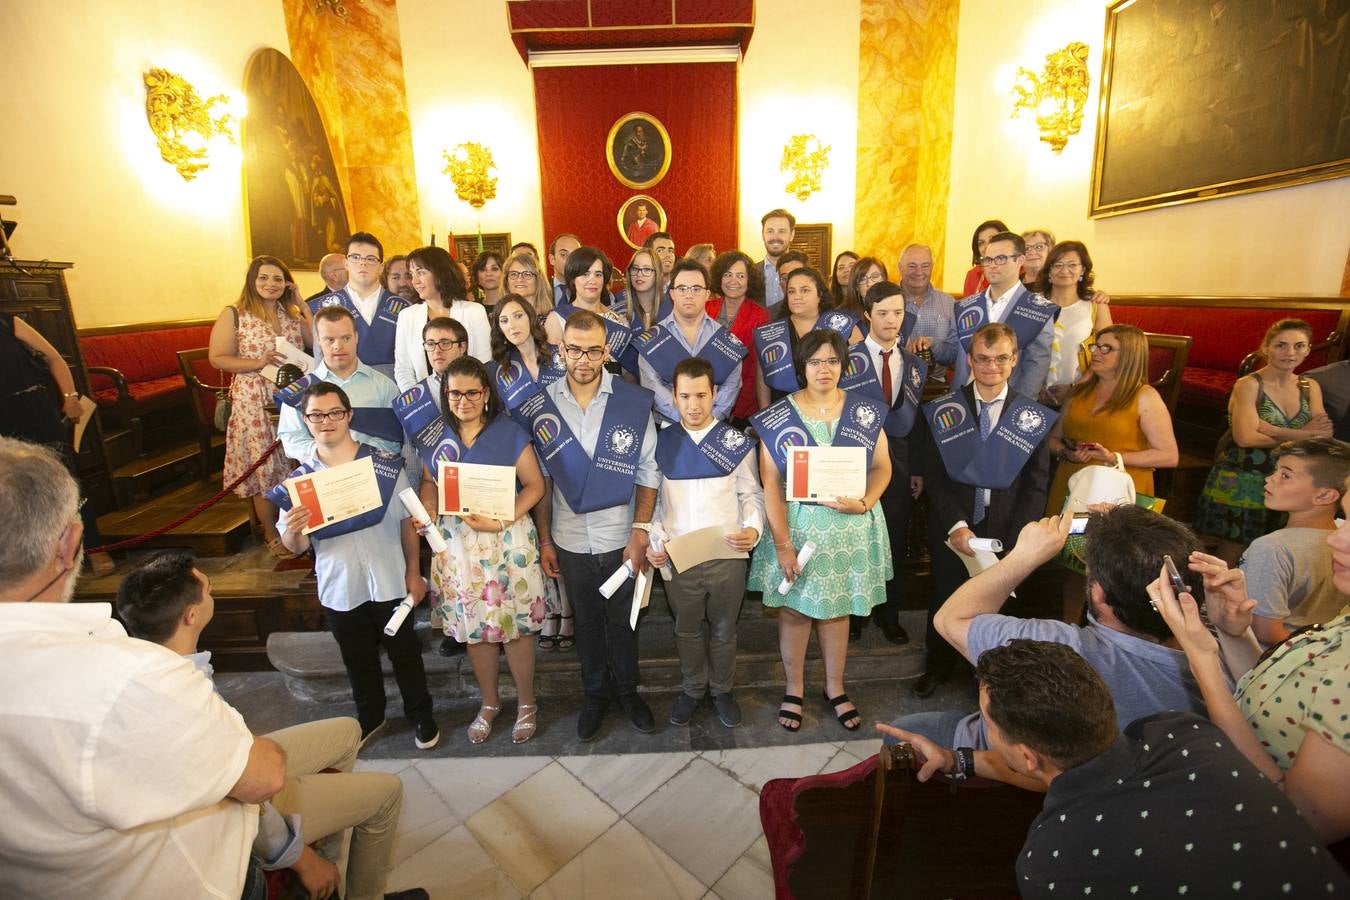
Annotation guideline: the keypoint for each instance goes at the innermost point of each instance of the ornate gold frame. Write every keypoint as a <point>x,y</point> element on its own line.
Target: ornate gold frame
<point>609,150</point>
<point>1097,210</point>
<point>650,201</point>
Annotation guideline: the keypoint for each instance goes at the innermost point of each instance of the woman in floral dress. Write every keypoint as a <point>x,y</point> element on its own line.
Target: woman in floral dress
<point>243,343</point>
<point>490,584</point>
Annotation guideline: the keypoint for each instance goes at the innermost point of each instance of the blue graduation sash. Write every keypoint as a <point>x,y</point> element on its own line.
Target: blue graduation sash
<point>663,351</point>
<point>780,428</point>
<point>374,342</point>
<point>514,382</point>
<point>608,478</point>
<point>996,461</point>
<point>719,454</point>
<point>387,468</point>
<point>773,347</point>
<point>861,376</point>
<point>1026,316</point>
<point>377,421</point>
<point>422,420</point>
<point>617,334</point>
<point>499,444</point>
<point>907,323</point>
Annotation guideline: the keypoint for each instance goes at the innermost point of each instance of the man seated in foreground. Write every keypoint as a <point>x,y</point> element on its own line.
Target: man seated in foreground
<point>1168,808</point>
<point>167,601</point>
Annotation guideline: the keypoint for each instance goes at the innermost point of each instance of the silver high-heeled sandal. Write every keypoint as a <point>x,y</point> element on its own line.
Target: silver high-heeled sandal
<point>481,727</point>
<point>524,728</point>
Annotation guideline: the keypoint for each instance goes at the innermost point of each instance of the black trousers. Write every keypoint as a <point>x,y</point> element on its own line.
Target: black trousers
<point>949,573</point>
<point>606,646</point>
<point>360,634</point>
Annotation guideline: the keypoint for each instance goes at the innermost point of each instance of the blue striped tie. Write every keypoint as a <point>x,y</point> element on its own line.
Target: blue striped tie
<point>986,426</point>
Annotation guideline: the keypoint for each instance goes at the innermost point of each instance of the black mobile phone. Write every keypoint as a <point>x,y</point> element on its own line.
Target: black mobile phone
<point>1179,585</point>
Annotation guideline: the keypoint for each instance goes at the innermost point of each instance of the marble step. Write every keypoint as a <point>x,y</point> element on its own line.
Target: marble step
<point>312,668</point>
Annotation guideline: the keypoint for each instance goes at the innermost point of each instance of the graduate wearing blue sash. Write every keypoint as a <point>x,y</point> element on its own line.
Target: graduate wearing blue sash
<point>985,473</point>
<point>365,567</point>
<point>689,331</point>
<point>372,394</point>
<point>852,562</point>
<point>586,278</point>
<point>1006,300</point>
<point>374,309</point>
<point>802,312</point>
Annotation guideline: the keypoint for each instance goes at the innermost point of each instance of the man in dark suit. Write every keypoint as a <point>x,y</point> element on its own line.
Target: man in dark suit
<point>985,470</point>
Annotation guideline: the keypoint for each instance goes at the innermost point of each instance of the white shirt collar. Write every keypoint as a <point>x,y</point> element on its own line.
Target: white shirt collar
<point>877,348</point>
<point>1002,395</point>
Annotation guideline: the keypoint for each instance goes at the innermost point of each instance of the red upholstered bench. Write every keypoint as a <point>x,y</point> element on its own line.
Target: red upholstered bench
<point>133,370</point>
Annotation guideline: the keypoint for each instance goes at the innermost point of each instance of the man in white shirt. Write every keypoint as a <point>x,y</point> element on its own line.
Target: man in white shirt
<point>125,774</point>
<point>708,480</point>
<point>376,309</point>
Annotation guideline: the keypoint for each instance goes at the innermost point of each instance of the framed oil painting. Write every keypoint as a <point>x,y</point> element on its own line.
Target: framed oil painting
<point>1203,100</point>
<point>639,218</point>
<point>293,205</point>
<point>638,150</point>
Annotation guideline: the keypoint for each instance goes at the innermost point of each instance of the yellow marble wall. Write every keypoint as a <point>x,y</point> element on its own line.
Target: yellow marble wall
<point>354,69</point>
<point>906,100</point>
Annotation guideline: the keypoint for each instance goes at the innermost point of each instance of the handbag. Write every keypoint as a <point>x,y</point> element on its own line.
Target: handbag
<point>221,418</point>
<point>1100,484</point>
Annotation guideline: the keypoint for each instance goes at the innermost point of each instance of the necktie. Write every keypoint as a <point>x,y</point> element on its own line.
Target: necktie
<point>886,376</point>
<point>986,426</point>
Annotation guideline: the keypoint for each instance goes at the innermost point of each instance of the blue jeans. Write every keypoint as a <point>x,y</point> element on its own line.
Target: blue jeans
<point>939,727</point>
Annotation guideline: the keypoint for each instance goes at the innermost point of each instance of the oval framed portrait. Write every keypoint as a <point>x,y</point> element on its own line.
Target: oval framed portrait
<point>638,150</point>
<point>640,217</point>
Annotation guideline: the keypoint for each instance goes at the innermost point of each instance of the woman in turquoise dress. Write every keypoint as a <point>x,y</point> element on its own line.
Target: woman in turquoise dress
<point>852,563</point>
<point>1268,407</point>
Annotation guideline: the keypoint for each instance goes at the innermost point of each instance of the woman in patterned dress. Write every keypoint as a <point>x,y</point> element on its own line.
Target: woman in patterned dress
<point>852,563</point>
<point>1268,407</point>
<point>243,343</point>
<point>489,581</point>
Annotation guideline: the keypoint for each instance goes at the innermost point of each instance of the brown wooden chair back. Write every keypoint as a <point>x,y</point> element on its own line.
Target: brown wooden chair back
<point>1167,355</point>
<point>201,378</point>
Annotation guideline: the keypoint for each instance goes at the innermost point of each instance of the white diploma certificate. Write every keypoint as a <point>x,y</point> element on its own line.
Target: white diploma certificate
<point>642,595</point>
<point>294,357</point>
<point>336,494</point>
<point>689,550</point>
<point>473,488</point>
<point>822,474</point>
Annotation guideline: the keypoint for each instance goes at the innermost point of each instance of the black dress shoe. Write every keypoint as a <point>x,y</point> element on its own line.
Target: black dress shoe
<point>895,633</point>
<point>639,713</point>
<point>588,722</point>
<point>449,646</point>
<point>928,683</point>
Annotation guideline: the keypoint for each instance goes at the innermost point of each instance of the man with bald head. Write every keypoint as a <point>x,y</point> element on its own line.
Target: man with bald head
<point>333,271</point>
<point>929,322</point>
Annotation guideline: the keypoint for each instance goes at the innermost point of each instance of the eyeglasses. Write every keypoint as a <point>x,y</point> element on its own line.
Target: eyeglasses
<point>831,361</point>
<point>1065,265</point>
<point>689,290</point>
<point>1039,247</point>
<point>333,415</point>
<point>871,279</point>
<point>358,258</point>
<point>521,276</point>
<point>1103,349</point>
<point>999,260</point>
<point>644,271</point>
<point>473,395</point>
<point>442,344</point>
<point>1000,360</point>
<point>594,354</point>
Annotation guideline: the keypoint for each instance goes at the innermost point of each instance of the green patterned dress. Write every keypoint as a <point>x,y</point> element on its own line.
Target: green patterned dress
<point>848,573</point>
<point>1232,505</point>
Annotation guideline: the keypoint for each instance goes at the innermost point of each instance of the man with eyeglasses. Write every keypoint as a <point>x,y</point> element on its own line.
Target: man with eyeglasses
<point>986,470</point>
<point>595,435</point>
<point>333,271</point>
<point>366,566</point>
<point>372,393</point>
<point>1006,300</point>
<point>374,310</point>
<point>689,331</point>
<point>930,323</point>
<point>777,228</point>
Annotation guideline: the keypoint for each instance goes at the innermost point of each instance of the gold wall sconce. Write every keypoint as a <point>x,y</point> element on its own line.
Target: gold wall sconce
<point>471,168</point>
<point>1057,95</point>
<point>182,121</point>
<point>806,158</point>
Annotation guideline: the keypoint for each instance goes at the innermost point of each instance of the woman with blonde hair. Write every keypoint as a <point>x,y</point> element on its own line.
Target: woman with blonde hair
<point>1113,417</point>
<point>243,343</point>
<point>524,279</point>
<point>703,254</point>
<point>643,298</point>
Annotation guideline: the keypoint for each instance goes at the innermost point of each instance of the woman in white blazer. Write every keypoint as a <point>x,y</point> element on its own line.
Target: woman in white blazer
<point>439,283</point>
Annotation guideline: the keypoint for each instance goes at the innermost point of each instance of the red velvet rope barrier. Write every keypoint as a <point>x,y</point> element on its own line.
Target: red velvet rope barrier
<point>191,514</point>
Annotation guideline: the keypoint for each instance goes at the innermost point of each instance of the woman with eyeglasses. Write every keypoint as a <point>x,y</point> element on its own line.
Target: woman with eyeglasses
<point>244,343</point>
<point>490,586</point>
<point>841,279</point>
<point>444,292</point>
<point>739,306</point>
<point>586,284</point>
<point>1038,242</point>
<point>1113,417</point>
<point>847,575</point>
<point>975,280</point>
<point>1066,278</point>
<point>867,273</point>
<point>486,272</point>
<point>643,300</point>
<point>804,309</point>
<point>524,279</point>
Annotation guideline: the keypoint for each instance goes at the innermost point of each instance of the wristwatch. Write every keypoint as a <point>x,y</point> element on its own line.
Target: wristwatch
<point>965,763</point>
<point>643,526</point>
<point>71,394</point>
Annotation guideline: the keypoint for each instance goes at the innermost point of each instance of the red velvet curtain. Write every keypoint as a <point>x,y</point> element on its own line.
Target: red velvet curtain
<point>576,107</point>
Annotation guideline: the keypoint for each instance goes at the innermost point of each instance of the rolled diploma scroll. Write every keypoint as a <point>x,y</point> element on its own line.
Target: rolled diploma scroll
<point>396,620</point>
<point>803,557</point>
<point>432,531</point>
<point>621,574</point>
<point>658,542</point>
<point>993,545</point>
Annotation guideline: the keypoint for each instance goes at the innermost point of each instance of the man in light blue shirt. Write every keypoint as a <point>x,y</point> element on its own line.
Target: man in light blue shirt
<point>586,548</point>
<point>335,333</point>
<point>778,226</point>
<point>692,328</point>
<point>934,329</point>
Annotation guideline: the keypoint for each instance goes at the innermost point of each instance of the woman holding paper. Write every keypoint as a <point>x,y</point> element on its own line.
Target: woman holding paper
<point>243,343</point>
<point>490,585</point>
<point>848,572</point>
<point>805,308</point>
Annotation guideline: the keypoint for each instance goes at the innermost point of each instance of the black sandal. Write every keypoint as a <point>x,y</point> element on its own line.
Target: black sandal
<point>789,714</point>
<point>852,715</point>
<point>566,641</point>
